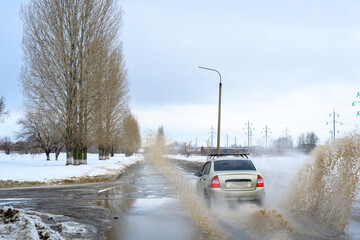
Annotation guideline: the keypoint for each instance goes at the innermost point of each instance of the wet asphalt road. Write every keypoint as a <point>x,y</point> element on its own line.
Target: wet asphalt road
<point>138,205</point>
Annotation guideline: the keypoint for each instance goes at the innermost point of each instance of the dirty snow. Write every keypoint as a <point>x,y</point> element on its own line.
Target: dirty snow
<point>25,224</point>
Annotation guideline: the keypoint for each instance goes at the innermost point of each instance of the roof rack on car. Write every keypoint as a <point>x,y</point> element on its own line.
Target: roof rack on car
<point>229,154</point>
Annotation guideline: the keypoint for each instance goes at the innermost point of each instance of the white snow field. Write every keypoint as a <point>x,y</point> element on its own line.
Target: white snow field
<point>34,167</point>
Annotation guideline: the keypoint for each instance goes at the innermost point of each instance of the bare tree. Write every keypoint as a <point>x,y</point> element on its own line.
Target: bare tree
<point>112,102</point>
<point>301,140</point>
<point>131,135</point>
<point>186,148</point>
<point>6,145</point>
<point>160,137</point>
<point>64,44</point>
<point>308,142</point>
<point>312,138</point>
<point>41,131</point>
<point>58,141</point>
<point>3,111</point>
<point>283,143</point>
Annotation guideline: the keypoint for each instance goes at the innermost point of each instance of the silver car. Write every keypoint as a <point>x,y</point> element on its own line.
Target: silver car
<point>231,178</point>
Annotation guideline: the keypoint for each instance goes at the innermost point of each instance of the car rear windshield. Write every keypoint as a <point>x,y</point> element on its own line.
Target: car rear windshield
<point>233,165</point>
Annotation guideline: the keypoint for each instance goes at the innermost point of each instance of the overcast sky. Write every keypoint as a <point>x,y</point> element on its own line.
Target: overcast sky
<point>283,63</point>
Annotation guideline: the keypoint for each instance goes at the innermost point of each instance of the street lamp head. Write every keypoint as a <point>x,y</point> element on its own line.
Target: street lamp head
<point>211,69</point>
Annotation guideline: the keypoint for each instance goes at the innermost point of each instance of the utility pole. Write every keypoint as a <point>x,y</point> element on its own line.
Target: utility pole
<point>235,141</point>
<point>286,132</point>
<point>353,104</point>
<point>334,122</point>
<point>357,126</point>
<point>227,138</point>
<point>249,133</point>
<point>266,132</point>
<point>287,138</point>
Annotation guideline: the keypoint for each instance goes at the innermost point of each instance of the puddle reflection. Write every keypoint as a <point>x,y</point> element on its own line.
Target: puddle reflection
<point>118,202</point>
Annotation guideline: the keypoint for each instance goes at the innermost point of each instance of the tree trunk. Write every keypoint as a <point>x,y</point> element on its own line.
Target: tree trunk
<point>57,153</point>
<point>106,157</point>
<point>85,155</point>
<point>77,156</point>
<point>47,152</point>
<point>100,153</point>
<point>69,157</point>
<point>112,152</point>
<point>102,156</point>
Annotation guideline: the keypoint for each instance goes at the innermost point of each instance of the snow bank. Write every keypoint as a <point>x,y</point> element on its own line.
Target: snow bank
<point>34,167</point>
<point>24,224</point>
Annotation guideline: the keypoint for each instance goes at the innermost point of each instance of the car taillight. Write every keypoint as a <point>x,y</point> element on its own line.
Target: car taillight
<point>215,182</point>
<point>260,181</point>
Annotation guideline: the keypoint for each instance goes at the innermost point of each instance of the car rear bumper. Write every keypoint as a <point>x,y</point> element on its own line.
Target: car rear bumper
<point>257,194</point>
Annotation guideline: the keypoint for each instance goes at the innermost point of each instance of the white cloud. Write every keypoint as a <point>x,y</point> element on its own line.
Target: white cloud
<point>306,109</point>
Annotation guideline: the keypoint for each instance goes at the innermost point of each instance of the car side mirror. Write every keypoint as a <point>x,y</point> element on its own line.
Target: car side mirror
<point>198,174</point>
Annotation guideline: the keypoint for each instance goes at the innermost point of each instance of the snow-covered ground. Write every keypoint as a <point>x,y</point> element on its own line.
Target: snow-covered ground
<point>34,167</point>
<point>193,158</point>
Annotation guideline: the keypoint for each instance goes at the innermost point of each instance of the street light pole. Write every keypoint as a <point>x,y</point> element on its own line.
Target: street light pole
<point>219,111</point>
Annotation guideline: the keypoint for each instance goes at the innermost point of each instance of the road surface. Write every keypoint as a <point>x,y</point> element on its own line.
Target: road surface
<point>140,204</point>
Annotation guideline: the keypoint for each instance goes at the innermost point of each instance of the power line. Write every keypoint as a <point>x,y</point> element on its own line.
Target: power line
<point>314,116</point>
